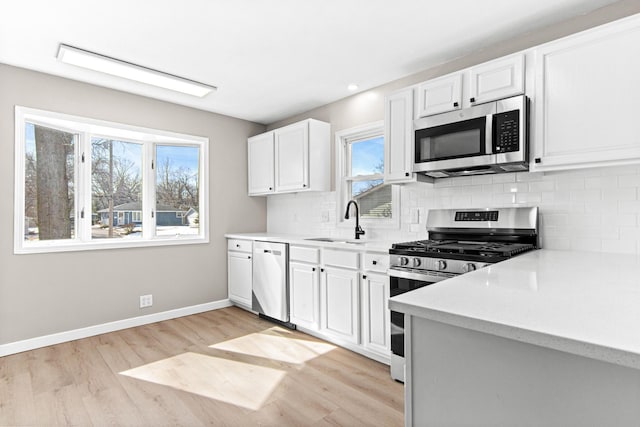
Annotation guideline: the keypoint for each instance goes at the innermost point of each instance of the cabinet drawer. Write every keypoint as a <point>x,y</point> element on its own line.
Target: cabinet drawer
<point>338,258</point>
<point>304,254</point>
<point>376,262</point>
<point>239,245</point>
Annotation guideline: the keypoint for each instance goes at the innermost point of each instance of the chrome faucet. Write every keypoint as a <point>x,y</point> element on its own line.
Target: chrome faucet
<point>359,230</point>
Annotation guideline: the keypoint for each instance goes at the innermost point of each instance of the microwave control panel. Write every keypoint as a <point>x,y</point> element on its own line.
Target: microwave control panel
<point>507,132</point>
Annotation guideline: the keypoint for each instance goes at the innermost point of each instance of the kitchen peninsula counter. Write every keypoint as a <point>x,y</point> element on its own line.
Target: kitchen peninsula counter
<point>545,338</point>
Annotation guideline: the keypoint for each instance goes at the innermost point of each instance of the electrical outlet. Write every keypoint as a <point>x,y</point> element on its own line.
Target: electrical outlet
<point>325,216</point>
<point>146,301</point>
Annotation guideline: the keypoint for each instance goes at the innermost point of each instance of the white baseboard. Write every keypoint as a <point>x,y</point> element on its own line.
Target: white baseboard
<point>57,338</point>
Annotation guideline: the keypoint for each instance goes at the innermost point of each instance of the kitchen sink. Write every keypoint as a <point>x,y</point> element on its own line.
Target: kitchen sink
<point>335,240</point>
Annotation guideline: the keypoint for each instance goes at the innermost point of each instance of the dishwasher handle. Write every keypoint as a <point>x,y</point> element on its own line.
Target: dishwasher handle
<point>269,251</point>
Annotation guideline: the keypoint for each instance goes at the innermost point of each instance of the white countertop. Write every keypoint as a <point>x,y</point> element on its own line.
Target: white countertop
<point>578,302</point>
<point>296,239</point>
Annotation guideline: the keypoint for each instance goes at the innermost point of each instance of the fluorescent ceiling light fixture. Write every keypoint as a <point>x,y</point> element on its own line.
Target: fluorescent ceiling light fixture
<point>104,64</point>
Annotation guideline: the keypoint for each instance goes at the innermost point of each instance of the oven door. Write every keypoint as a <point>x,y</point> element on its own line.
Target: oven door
<point>402,281</point>
<point>456,140</point>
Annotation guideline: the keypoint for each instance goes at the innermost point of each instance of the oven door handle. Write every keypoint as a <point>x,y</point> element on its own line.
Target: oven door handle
<point>422,277</point>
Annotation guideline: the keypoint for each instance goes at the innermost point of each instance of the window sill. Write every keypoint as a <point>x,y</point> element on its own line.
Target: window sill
<point>57,246</point>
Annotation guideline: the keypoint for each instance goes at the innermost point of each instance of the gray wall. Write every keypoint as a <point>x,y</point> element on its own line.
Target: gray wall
<point>368,106</point>
<point>42,294</point>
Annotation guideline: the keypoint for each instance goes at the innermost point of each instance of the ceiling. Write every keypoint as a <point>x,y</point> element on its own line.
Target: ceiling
<point>269,59</point>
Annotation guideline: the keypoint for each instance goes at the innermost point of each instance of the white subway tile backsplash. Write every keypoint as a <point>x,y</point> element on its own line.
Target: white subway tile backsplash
<point>529,198</point>
<point>505,177</point>
<point>623,246</point>
<point>529,176</point>
<point>481,179</point>
<point>593,209</point>
<point>613,194</point>
<point>504,199</point>
<point>586,195</point>
<point>540,186</point>
<point>601,182</point>
<point>570,183</point>
<point>629,206</point>
<point>629,180</point>
<point>516,187</point>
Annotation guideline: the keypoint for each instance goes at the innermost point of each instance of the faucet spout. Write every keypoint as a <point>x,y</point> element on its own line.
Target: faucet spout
<point>359,230</point>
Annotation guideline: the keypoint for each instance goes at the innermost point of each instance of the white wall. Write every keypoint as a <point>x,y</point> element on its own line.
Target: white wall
<point>42,294</point>
<point>594,209</point>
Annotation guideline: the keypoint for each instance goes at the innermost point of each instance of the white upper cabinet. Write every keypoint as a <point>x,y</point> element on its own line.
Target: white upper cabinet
<point>497,79</point>
<point>398,137</point>
<point>261,164</point>
<point>439,95</point>
<point>586,103</point>
<point>298,159</point>
<point>292,157</point>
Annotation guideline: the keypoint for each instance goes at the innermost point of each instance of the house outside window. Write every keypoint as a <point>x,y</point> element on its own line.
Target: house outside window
<point>360,160</point>
<point>89,184</point>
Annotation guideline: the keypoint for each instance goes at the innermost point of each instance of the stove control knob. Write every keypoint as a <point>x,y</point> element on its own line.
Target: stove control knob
<point>468,267</point>
<point>441,264</point>
<point>416,262</point>
<point>404,261</point>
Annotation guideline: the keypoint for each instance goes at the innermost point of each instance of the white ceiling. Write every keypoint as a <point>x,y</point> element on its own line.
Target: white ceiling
<point>269,59</point>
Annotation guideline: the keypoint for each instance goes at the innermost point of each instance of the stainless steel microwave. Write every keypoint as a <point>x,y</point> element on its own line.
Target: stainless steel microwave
<point>486,138</point>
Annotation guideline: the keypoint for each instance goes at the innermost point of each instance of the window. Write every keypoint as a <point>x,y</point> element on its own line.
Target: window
<point>361,166</point>
<point>89,184</point>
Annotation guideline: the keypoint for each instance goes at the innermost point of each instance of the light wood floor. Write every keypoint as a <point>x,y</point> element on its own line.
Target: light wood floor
<point>224,367</point>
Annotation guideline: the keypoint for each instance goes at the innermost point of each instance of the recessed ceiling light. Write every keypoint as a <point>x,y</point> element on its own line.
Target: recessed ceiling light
<point>104,64</point>
<point>352,87</point>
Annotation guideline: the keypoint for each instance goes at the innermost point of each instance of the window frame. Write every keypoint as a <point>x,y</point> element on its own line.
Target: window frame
<point>86,129</point>
<point>343,140</point>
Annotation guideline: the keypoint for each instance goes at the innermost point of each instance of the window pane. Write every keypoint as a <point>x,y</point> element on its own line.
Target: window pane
<point>177,190</point>
<point>373,197</point>
<point>116,189</point>
<point>367,156</point>
<point>49,206</point>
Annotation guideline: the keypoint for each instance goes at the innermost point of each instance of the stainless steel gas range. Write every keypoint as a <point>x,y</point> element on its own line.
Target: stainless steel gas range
<point>459,241</point>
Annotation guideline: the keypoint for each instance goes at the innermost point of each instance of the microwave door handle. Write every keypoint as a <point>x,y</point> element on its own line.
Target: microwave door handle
<point>488,134</point>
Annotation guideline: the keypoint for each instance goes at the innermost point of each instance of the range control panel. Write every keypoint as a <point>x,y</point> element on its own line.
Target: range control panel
<point>507,132</point>
<point>476,216</point>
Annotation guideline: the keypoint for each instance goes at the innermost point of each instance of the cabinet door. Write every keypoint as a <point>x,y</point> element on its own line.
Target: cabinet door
<point>239,277</point>
<point>440,95</point>
<point>398,137</point>
<point>376,317</point>
<point>339,304</point>
<point>304,294</point>
<point>587,92</point>
<point>292,157</point>
<point>261,164</point>
<point>497,79</point>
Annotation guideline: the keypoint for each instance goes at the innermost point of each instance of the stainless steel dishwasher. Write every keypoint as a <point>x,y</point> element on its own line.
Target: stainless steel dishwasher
<point>270,295</point>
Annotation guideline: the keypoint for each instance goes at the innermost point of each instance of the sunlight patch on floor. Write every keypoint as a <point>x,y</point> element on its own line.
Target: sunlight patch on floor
<point>269,345</point>
<point>237,383</point>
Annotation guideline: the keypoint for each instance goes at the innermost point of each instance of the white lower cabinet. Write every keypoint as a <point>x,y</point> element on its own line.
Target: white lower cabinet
<point>338,295</point>
<point>376,317</point>
<point>304,294</point>
<point>239,272</point>
<point>339,304</point>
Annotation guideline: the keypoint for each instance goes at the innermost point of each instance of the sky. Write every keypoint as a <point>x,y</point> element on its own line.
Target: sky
<point>366,155</point>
